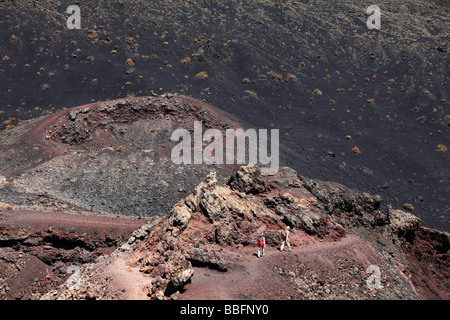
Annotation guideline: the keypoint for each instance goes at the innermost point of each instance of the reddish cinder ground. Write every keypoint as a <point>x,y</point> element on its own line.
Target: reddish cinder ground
<point>273,276</point>
<point>118,227</point>
<point>314,269</point>
<point>37,246</point>
<point>323,265</point>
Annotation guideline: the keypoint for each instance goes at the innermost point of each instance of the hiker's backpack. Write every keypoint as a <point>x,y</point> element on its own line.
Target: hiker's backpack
<point>260,241</point>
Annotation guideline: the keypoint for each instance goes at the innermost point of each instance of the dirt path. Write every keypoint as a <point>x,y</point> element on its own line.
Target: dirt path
<point>89,223</point>
<point>125,282</point>
<point>38,244</point>
<point>250,276</point>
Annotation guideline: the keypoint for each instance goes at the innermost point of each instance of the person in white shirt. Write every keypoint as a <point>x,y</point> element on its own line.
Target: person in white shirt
<point>285,236</point>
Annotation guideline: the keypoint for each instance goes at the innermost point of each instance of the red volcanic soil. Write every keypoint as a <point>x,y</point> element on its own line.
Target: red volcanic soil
<point>306,272</point>
<point>280,275</point>
<point>37,246</point>
<point>37,220</point>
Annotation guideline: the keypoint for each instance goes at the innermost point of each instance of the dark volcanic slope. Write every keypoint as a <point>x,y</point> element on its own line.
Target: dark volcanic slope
<point>111,157</point>
<point>262,61</point>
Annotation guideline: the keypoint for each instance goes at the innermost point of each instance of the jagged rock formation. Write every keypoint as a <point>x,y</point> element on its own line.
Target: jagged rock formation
<point>223,215</point>
<point>214,227</point>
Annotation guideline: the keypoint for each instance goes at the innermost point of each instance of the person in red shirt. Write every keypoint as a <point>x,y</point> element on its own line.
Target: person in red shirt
<point>261,242</point>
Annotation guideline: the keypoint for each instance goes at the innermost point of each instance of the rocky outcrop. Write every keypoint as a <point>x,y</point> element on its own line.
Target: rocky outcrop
<point>216,217</point>
<point>403,222</point>
<point>248,180</point>
<point>346,206</point>
<point>336,233</point>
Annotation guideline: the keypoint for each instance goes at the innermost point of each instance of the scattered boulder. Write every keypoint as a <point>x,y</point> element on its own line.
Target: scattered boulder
<point>248,180</point>
<point>402,222</point>
<point>348,207</point>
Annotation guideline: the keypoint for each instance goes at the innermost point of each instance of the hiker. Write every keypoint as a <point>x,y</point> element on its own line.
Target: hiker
<point>285,236</point>
<point>261,242</point>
